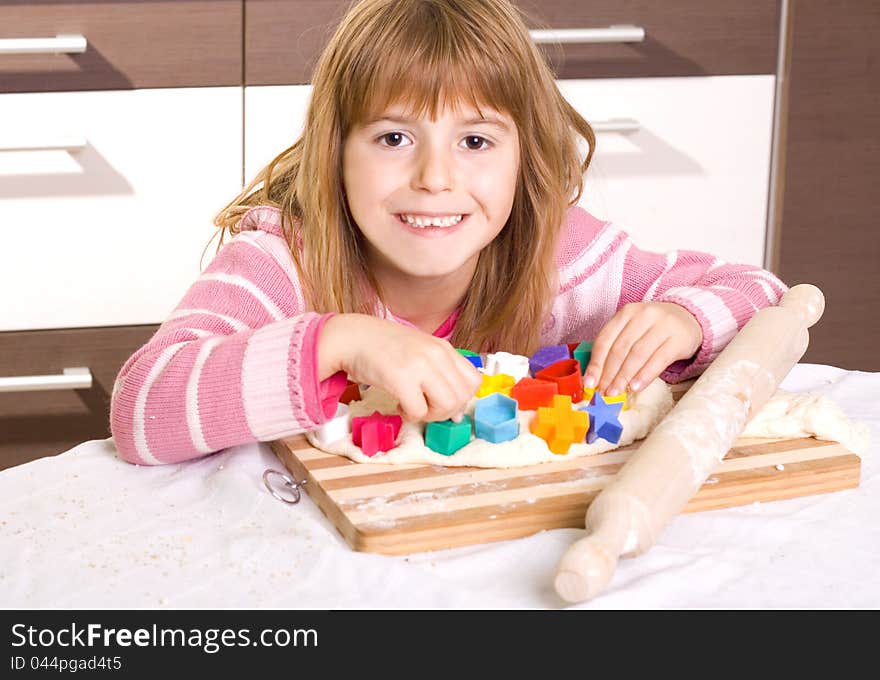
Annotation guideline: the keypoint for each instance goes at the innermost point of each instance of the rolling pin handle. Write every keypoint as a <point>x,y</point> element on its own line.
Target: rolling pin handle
<point>616,524</point>
<point>806,300</point>
<point>584,571</point>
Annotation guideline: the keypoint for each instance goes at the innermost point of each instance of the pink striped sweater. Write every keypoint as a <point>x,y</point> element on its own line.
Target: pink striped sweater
<point>236,360</point>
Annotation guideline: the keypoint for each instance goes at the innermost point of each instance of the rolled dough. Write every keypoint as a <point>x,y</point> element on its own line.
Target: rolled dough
<point>785,415</point>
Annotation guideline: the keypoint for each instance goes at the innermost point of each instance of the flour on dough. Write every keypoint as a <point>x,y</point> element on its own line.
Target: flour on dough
<point>646,409</point>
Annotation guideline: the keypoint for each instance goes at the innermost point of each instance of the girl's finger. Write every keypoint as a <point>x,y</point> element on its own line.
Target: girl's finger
<point>464,381</point>
<point>640,354</point>
<point>602,345</point>
<point>469,378</point>
<point>441,398</point>
<point>659,361</point>
<point>631,333</point>
<point>412,404</point>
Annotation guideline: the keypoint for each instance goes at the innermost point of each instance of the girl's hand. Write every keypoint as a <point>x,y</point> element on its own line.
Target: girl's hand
<point>430,379</point>
<point>638,343</point>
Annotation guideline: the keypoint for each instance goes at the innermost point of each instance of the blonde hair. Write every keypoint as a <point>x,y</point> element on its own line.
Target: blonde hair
<point>426,54</point>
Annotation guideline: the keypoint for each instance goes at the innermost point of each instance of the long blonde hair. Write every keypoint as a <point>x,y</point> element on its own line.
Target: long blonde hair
<point>426,54</point>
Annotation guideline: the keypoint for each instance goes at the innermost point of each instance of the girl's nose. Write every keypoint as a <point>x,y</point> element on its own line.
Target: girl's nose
<point>434,171</point>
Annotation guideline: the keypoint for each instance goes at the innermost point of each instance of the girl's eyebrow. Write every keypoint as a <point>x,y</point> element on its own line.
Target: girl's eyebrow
<point>486,120</point>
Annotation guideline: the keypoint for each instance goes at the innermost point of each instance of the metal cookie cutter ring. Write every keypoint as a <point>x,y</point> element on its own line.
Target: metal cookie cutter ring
<point>292,484</point>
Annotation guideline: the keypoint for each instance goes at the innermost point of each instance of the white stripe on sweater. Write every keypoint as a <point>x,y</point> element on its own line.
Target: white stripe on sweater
<point>721,319</point>
<point>250,287</point>
<point>769,291</point>
<point>590,255</point>
<point>140,406</point>
<point>671,258</point>
<point>613,278</point>
<point>599,292</point>
<point>235,323</point>
<point>763,276</point>
<point>193,417</point>
<point>199,332</point>
<point>276,248</point>
<point>716,263</point>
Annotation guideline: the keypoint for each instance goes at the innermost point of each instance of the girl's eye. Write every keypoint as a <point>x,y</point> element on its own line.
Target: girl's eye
<point>478,142</point>
<point>395,139</point>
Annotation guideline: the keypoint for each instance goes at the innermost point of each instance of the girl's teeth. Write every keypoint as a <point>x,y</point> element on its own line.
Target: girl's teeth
<point>432,222</point>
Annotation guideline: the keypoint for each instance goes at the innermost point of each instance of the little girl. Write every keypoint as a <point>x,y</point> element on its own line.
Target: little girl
<point>429,205</point>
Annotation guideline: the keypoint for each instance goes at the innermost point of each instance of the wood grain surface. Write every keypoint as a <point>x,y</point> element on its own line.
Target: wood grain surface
<point>400,509</point>
<point>38,424</point>
<point>131,44</point>
<point>682,37</point>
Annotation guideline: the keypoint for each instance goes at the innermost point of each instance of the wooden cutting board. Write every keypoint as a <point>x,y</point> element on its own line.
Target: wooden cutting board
<point>400,509</point>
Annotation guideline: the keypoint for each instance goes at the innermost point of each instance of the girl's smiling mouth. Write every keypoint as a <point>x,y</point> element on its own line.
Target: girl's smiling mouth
<point>431,226</point>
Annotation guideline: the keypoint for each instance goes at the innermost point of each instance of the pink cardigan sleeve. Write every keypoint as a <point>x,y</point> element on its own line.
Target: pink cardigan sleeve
<point>236,362</point>
<point>722,296</point>
<point>601,270</point>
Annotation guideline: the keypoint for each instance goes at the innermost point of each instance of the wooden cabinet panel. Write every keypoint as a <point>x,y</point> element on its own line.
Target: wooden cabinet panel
<point>682,37</point>
<point>130,44</point>
<point>37,424</point>
<point>829,235</point>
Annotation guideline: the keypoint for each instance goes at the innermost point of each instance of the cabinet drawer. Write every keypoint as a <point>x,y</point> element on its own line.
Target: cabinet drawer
<point>682,37</point>
<point>108,209</point>
<point>689,165</point>
<point>129,44</point>
<point>44,423</point>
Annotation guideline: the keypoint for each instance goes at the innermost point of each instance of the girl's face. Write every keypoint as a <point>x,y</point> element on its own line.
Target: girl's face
<point>456,176</point>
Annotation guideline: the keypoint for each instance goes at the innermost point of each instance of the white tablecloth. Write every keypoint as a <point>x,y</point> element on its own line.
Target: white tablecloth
<point>86,530</point>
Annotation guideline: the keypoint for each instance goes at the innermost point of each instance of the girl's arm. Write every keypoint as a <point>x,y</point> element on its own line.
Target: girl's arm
<point>236,362</point>
<point>721,296</point>
<point>601,270</point>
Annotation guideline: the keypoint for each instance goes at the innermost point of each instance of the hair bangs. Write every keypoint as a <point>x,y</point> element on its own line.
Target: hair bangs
<point>453,67</point>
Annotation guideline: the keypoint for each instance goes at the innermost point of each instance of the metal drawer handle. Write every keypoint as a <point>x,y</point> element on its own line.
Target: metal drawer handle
<point>79,378</point>
<point>611,34</point>
<point>67,44</point>
<point>70,144</point>
<point>616,125</point>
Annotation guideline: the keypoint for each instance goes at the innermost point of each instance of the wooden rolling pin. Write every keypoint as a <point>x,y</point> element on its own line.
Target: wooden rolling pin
<point>687,445</point>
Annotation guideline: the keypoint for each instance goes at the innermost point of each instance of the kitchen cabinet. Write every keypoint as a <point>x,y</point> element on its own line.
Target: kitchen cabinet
<point>119,141</point>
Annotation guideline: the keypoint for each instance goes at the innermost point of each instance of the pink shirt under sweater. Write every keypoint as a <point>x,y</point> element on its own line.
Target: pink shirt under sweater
<point>236,360</point>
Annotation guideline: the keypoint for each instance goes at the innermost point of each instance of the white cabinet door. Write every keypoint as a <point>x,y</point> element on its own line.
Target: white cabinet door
<point>689,168</point>
<point>274,116</point>
<point>107,200</point>
<point>695,171</point>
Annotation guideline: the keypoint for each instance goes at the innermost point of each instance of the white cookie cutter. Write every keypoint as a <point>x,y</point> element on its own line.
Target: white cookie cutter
<point>338,427</point>
<point>514,365</point>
